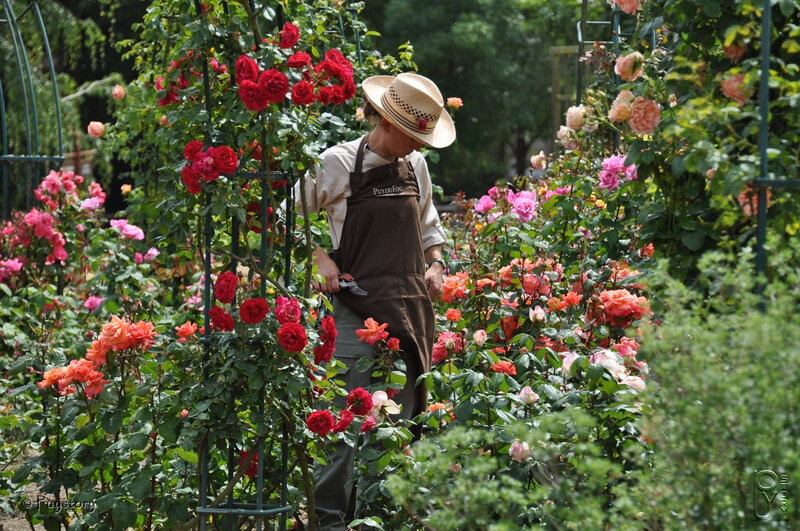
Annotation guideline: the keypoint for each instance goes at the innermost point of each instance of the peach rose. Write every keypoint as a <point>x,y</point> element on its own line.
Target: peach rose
<point>629,67</point>
<point>539,162</point>
<point>735,89</point>
<point>733,52</point>
<point>568,138</point>
<point>118,92</point>
<point>645,115</point>
<point>96,129</point>
<point>620,110</point>
<point>455,103</point>
<point>575,117</point>
<point>628,6</point>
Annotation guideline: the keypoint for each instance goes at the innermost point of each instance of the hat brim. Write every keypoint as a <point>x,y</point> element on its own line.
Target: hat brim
<point>442,135</point>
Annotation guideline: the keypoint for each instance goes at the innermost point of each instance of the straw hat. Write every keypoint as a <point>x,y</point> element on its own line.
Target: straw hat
<point>414,104</point>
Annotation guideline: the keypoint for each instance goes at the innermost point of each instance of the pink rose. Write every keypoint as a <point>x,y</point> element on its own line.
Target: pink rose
<point>519,451</point>
<point>524,205</point>
<point>645,115</point>
<point>629,67</point>
<point>567,361</point>
<point>118,92</point>
<point>91,303</point>
<point>735,89</point>
<point>480,337</point>
<point>528,396</point>
<point>634,382</point>
<point>485,204</point>
<point>151,254</point>
<point>96,129</point>
<point>137,258</point>
<point>90,203</point>
<point>133,232</point>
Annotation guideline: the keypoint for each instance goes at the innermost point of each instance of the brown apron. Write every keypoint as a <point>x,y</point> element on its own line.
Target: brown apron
<point>381,246</point>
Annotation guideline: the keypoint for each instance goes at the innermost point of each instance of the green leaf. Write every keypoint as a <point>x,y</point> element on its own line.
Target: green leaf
<point>693,240</point>
<point>787,7</point>
<point>140,487</point>
<point>188,455</point>
<point>464,411</point>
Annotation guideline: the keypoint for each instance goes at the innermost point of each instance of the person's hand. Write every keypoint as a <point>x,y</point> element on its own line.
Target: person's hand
<point>433,280</point>
<point>327,278</point>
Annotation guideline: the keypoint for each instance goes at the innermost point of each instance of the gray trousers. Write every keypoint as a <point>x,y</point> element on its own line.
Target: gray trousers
<point>334,480</point>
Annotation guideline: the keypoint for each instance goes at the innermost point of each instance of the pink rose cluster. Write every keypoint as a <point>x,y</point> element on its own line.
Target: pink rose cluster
<point>330,81</point>
<point>127,230</point>
<point>613,170</point>
<point>524,204</point>
<point>206,164</point>
<point>59,188</point>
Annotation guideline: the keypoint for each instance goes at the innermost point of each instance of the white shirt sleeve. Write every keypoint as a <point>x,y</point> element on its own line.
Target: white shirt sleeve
<point>430,225</point>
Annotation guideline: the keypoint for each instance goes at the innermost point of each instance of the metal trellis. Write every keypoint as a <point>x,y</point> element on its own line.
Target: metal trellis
<point>32,160</point>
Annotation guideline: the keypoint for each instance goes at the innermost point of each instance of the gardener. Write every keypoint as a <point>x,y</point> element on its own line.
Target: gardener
<point>386,234</point>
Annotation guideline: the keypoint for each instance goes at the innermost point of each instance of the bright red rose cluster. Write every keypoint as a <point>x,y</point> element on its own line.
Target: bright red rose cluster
<point>330,81</point>
<point>324,351</point>
<point>206,164</point>
<point>359,403</point>
<point>252,311</point>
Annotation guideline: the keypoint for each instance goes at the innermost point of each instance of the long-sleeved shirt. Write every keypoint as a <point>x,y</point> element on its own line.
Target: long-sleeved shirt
<point>328,187</point>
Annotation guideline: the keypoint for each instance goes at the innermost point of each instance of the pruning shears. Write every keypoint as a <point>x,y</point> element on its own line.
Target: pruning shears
<point>346,280</point>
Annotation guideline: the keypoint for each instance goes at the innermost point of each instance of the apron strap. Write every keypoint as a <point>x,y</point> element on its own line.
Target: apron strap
<point>360,155</point>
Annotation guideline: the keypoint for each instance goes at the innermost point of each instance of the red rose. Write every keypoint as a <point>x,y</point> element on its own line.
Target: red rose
<point>192,149</point>
<point>328,329</point>
<point>292,337</point>
<point>298,60</point>
<point>328,69</point>
<point>393,344</point>
<point>221,319</point>
<point>324,95</point>
<point>349,90</point>
<point>246,69</point>
<point>359,401</point>
<point>225,287</point>
<point>205,168</point>
<point>337,95</point>
<point>320,422</point>
<point>253,95</point>
<point>345,418</point>
<point>252,469</point>
<point>303,93</point>
<point>253,310</point>
<point>290,34</point>
<point>368,424</point>
<point>225,159</point>
<point>275,84</point>
<point>287,310</point>
<point>344,67</point>
<point>323,353</point>
<point>191,179</point>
